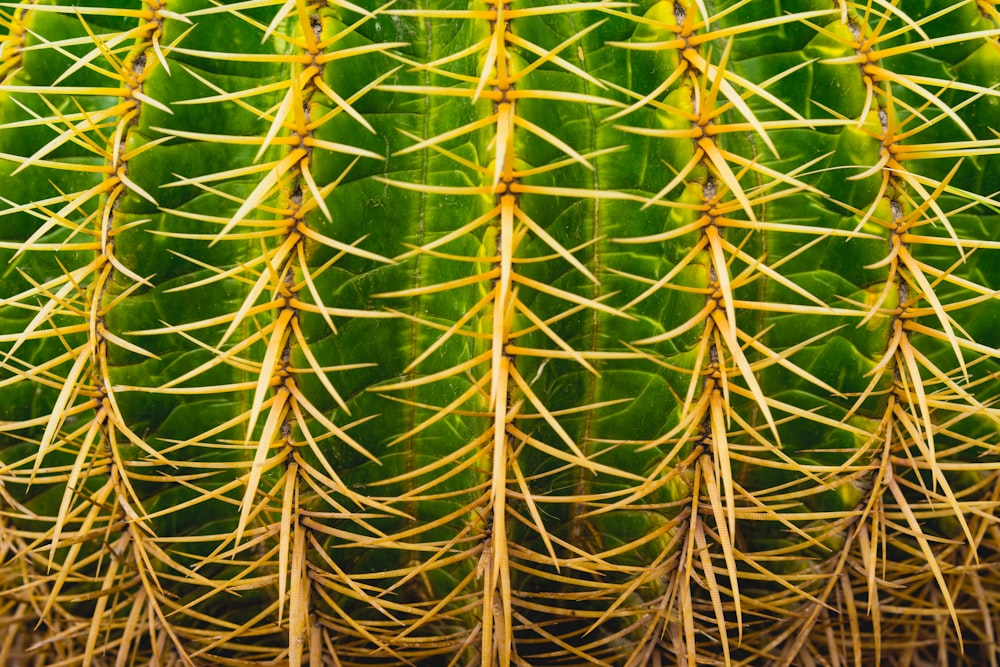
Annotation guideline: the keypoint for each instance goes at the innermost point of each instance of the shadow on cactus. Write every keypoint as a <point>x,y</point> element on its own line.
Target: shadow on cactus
<point>539,333</point>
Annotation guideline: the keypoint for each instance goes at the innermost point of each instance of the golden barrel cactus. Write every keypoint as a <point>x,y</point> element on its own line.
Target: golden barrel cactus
<point>337,332</point>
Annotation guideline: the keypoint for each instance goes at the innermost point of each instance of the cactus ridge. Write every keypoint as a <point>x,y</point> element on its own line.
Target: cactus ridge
<point>534,332</point>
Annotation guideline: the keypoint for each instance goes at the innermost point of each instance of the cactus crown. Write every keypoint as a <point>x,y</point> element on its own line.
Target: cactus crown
<point>534,332</point>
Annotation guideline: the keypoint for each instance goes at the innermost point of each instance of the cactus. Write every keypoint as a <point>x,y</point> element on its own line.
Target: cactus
<point>542,333</point>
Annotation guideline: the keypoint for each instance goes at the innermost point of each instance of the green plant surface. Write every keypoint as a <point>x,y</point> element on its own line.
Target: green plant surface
<point>538,333</point>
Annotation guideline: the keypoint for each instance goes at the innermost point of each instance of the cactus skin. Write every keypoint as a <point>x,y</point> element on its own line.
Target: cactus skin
<point>558,333</point>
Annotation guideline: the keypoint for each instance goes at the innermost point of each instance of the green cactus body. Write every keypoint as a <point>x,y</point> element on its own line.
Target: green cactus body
<point>538,333</point>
